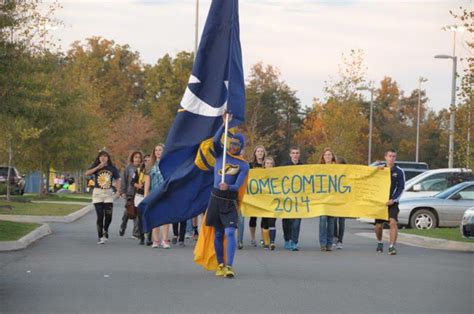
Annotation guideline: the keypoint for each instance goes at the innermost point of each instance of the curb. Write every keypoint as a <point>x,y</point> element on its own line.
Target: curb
<point>44,219</point>
<point>26,240</point>
<point>425,242</point>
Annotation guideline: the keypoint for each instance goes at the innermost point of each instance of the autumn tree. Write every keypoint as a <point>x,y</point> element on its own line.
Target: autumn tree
<point>273,112</point>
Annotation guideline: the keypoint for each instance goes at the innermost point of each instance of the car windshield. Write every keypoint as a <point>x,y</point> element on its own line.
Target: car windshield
<point>446,193</point>
<point>418,177</point>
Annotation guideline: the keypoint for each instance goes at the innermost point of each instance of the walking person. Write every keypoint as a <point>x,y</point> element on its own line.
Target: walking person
<point>152,181</point>
<point>128,192</point>
<point>339,222</point>
<point>326,223</point>
<point>138,182</point>
<point>223,203</point>
<point>258,157</point>
<point>105,175</point>
<point>268,224</point>
<point>291,227</point>
<point>397,185</point>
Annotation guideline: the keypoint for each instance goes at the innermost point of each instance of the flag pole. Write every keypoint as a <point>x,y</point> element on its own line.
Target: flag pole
<point>226,129</point>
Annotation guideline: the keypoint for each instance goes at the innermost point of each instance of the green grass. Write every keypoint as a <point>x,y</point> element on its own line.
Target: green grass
<point>12,231</point>
<point>452,234</point>
<point>37,209</point>
<point>54,197</point>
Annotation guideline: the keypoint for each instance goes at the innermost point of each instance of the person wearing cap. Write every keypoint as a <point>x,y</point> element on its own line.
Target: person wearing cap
<point>222,209</point>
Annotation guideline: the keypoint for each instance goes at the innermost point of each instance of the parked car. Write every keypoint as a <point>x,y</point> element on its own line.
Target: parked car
<point>467,224</point>
<point>17,182</point>
<point>434,181</point>
<point>410,168</point>
<point>444,209</point>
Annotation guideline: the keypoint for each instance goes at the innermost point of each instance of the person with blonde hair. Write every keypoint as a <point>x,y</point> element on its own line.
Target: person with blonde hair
<point>268,224</point>
<point>326,223</point>
<point>153,179</point>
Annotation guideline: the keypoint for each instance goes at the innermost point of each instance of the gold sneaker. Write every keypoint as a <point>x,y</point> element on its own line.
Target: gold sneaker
<point>220,272</point>
<point>228,272</point>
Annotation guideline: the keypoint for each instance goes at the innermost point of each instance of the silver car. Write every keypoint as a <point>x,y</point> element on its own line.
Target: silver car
<point>444,209</point>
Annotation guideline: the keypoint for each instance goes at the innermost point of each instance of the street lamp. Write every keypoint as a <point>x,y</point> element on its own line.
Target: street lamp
<point>454,29</point>
<point>196,30</point>
<point>371,90</point>
<point>452,108</point>
<point>420,80</point>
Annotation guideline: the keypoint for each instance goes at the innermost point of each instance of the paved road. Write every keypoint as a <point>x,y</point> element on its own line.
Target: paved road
<point>67,272</point>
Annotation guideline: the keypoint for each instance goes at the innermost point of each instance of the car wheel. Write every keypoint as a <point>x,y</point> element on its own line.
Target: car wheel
<point>423,219</point>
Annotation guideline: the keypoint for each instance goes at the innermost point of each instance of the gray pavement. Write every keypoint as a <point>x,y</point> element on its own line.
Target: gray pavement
<point>68,272</point>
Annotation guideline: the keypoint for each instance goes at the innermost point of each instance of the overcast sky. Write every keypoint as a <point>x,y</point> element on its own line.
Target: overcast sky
<point>304,39</point>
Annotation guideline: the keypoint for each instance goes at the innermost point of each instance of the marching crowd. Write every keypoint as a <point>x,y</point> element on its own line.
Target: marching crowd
<point>142,175</point>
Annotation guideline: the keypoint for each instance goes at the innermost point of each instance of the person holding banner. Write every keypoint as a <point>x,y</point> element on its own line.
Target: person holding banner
<point>258,158</point>
<point>326,223</point>
<point>397,185</point>
<point>230,172</point>
<point>339,222</point>
<point>291,227</point>
<point>268,224</point>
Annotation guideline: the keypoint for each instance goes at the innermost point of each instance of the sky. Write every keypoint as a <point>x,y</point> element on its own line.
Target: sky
<point>304,39</point>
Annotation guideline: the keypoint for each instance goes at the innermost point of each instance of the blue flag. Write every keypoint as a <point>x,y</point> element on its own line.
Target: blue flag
<point>215,86</point>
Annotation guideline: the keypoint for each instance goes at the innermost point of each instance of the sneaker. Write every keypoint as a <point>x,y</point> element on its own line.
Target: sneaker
<point>142,242</point>
<point>220,272</point>
<point>262,244</point>
<point>121,232</point>
<point>106,235</point>
<point>294,247</point>
<point>135,237</point>
<point>155,245</point>
<point>379,247</point>
<point>181,244</point>
<point>148,243</point>
<point>165,244</point>
<point>329,248</point>
<point>253,243</point>
<point>228,272</point>
<point>174,240</point>
<point>266,247</point>
<point>240,245</point>
<point>339,245</point>
<point>101,241</point>
<point>188,235</point>
<point>323,249</point>
<point>272,246</point>
<point>392,250</point>
<point>287,245</point>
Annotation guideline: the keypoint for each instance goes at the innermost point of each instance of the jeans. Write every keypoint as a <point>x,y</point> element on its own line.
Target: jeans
<point>326,230</point>
<point>291,229</point>
<point>339,226</point>
<point>241,228</point>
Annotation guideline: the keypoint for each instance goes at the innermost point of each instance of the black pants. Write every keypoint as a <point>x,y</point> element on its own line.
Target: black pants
<point>339,226</point>
<point>104,217</point>
<point>253,222</point>
<point>268,223</point>
<point>179,230</point>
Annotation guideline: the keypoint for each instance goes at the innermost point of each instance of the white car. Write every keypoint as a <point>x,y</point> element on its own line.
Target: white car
<point>432,182</point>
<point>467,224</point>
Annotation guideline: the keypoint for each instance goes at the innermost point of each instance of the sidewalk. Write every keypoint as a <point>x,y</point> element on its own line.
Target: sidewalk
<point>424,242</point>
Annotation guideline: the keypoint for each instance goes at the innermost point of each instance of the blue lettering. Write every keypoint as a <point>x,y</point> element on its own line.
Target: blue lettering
<point>321,184</point>
<point>345,188</point>
<point>309,180</point>
<point>262,184</point>
<point>253,183</point>
<point>283,185</point>
<point>274,186</point>
<point>332,182</point>
<point>293,184</point>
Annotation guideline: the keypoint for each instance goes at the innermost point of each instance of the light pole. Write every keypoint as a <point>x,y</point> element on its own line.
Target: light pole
<point>454,29</point>
<point>452,108</point>
<point>420,80</point>
<point>371,90</point>
<point>196,31</point>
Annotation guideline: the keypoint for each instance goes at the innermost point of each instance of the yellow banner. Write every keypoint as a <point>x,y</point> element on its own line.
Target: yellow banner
<point>316,190</point>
